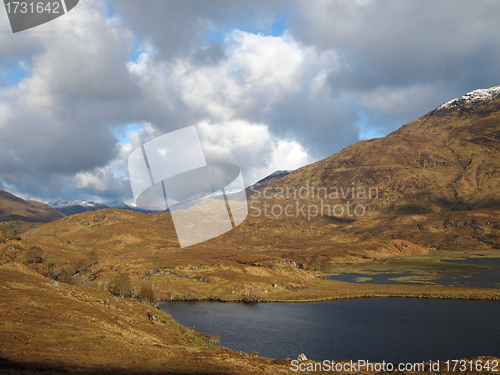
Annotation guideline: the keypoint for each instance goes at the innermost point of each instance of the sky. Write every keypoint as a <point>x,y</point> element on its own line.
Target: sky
<point>269,85</point>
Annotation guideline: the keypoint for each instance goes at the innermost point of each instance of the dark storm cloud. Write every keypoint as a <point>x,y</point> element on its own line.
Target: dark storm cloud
<point>177,28</point>
<point>384,44</point>
<point>59,120</point>
<point>211,55</point>
<point>440,49</point>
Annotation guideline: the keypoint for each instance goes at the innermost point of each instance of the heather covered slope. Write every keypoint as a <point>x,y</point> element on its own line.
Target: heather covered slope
<point>58,327</point>
<point>447,160</point>
<point>246,262</point>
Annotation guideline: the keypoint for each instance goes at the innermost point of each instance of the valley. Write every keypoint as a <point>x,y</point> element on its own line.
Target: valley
<point>88,285</point>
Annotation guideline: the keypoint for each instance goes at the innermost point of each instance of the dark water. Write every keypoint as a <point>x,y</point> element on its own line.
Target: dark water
<point>482,279</point>
<point>377,278</point>
<point>390,329</point>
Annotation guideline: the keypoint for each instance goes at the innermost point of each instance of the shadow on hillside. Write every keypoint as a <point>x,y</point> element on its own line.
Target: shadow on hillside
<point>446,205</point>
<point>8,367</point>
<point>339,220</point>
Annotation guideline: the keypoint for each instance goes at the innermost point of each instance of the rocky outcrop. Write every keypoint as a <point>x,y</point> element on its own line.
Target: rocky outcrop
<point>302,357</point>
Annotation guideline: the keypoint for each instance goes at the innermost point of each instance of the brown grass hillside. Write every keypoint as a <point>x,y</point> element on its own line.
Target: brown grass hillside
<point>57,327</point>
<point>245,263</point>
<point>447,160</point>
<point>15,208</point>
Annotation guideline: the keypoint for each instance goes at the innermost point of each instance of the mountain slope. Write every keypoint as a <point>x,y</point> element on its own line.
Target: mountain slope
<point>448,159</point>
<point>260,185</point>
<point>15,208</point>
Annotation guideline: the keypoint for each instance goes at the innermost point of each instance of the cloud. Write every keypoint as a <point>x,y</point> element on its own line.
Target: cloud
<point>58,120</point>
<point>264,79</point>
<point>448,44</point>
<point>251,146</point>
<point>179,29</point>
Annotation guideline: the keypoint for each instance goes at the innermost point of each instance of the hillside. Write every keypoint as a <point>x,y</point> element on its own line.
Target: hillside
<point>437,181</point>
<point>246,262</point>
<point>447,160</point>
<point>266,181</point>
<point>51,328</point>
<point>15,208</point>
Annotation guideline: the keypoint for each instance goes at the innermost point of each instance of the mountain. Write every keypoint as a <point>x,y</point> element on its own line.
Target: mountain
<point>447,160</point>
<point>71,207</point>
<point>15,208</point>
<point>123,206</point>
<point>118,204</point>
<point>260,185</point>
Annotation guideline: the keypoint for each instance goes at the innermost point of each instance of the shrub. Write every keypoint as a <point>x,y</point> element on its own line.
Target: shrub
<point>13,235</point>
<point>63,273</point>
<point>148,294</point>
<point>34,255</point>
<point>120,285</point>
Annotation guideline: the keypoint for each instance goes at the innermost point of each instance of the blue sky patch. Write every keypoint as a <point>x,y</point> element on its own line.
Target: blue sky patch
<point>367,126</point>
<point>136,51</point>
<point>109,10</point>
<point>216,35</point>
<point>277,28</point>
<point>122,133</point>
<point>13,72</point>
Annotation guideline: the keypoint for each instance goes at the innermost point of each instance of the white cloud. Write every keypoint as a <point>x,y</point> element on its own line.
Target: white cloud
<point>288,155</point>
<point>98,180</point>
<point>250,146</point>
<point>260,72</point>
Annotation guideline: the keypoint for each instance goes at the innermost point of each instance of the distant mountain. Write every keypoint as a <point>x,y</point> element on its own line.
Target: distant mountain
<point>118,204</point>
<point>260,185</point>
<point>15,208</point>
<point>447,160</point>
<point>71,207</point>
<point>235,193</point>
<point>123,206</point>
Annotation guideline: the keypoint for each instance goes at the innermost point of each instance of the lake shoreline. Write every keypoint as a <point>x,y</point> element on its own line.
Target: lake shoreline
<point>456,294</point>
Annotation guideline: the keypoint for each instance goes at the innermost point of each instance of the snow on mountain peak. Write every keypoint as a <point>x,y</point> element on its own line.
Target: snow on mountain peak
<point>63,202</point>
<point>281,172</point>
<point>479,95</point>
